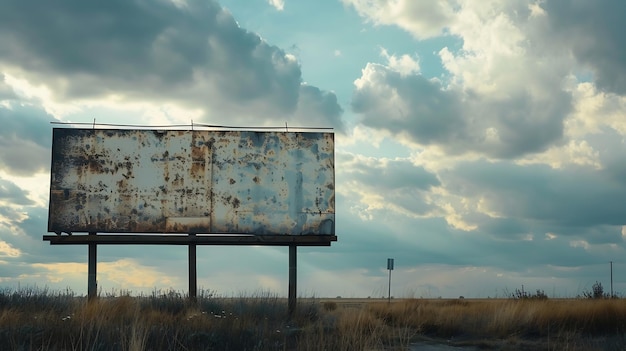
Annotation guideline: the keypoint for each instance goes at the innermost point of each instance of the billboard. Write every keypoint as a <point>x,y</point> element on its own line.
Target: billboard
<point>183,181</point>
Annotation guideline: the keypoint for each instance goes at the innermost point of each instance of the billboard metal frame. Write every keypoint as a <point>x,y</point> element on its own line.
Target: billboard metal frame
<point>192,181</point>
<point>191,240</point>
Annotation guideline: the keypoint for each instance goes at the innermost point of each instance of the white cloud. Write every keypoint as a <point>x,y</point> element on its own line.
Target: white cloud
<point>404,64</point>
<point>580,243</point>
<point>278,4</point>
<point>502,97</point>
<point>6,250</point>
<point>575,152</point>
<point>194,57</point>
<point>596,110</point>
<point>361,134</point>
<point>423,19</point>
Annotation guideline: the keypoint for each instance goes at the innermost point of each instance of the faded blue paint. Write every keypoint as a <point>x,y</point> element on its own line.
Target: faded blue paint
<point>192,181</point>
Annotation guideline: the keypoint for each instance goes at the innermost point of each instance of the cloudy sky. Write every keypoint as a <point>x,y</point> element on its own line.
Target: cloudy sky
<point>480,143</point>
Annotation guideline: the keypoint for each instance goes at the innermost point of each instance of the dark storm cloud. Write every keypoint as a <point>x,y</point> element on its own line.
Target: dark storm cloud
<point>367,244</point>
<point>5,90</point>
<point>13,270</point>
<point>525,124</point>
<point>595,32</point>
<point>506,228</point>
<point>430,114</point>
<point>195,54</point>
<point>25,139</point>
<point>408,103</point>
<point>36,224</point>
<point>573,196</point>
<point>522,256</point>
<point>613,155</point>
<point>399,182</point>
<point>26,122</point>
<point>13,194</point>
<point>28,238</point>
<point>528,242</point>
<point>415,242</point>
<point>392,174</point>
<point>318,108</point>
<point>141,44</point>
<point>601,234</point>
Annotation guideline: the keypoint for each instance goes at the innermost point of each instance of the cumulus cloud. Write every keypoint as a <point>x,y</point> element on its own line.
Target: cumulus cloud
<point>501,97</point>
<point>7,250</point>
<point>404,64</point>
<point>410,104</point>
<point>569,197</point>
<point>318,108</point>
<point>194,55</point>
<point>11,193</point>
<point>386,173</point>
<point>396,185</point>
<point>278,4</point>
<point>595,34</point>
<point>6,93</point>
<point>25,139</point>
<point>423,19</point>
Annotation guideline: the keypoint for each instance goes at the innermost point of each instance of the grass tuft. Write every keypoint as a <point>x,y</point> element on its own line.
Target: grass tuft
<point>40,319</point>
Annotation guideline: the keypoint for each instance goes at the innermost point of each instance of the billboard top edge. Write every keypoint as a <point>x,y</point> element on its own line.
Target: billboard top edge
<point>197,128</point>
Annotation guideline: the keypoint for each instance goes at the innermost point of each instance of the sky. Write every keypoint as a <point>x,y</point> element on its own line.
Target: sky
<point>479,143</point>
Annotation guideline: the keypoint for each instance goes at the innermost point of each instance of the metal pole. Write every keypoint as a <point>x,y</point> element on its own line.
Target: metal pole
<point>92,282</point>
<point>293,276</point>
<point>389,268</point>
<point>611,279</point>
<point>193,275</point>
<point>389,293</point>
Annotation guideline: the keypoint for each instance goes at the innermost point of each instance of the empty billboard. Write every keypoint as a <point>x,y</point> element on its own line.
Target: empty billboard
<point>182,181</point>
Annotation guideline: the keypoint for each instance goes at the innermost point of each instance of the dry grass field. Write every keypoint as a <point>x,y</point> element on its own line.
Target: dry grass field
<point>35,319</point>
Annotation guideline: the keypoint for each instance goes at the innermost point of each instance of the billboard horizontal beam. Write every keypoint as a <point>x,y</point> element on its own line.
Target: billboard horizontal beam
<point>150,239</point>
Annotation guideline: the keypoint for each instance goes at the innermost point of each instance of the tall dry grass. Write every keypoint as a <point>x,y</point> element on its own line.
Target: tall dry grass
<point>32,319</point>
<point>553,323</point>
<point>38,319</point>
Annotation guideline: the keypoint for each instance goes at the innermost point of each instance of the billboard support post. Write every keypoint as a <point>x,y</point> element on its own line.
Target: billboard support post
<point>193,275</point>
<point>92,282</point>
<point>293,277</point>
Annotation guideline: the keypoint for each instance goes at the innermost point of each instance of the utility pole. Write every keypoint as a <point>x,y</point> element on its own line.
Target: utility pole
<point>611,279</point>
<point>389,268</point>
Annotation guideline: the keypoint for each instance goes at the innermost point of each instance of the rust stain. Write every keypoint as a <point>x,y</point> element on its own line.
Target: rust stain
<point>227,181</point>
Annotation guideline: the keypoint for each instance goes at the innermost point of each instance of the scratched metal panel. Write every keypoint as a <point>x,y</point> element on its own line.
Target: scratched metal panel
<point>148,181</point>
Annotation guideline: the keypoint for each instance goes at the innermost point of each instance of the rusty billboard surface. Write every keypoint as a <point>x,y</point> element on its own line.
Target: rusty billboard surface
<point>181,181</point>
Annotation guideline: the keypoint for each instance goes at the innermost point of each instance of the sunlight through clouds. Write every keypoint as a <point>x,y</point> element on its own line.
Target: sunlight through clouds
<point>278,4</point>
<point>6,250</point>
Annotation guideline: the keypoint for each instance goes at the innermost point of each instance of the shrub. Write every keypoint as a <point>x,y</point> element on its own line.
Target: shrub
<point>597,292</point>
<point>523,295</point>
<point>329,305</point>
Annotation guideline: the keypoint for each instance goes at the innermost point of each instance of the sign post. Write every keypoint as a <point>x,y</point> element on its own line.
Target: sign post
<point>389,268</point>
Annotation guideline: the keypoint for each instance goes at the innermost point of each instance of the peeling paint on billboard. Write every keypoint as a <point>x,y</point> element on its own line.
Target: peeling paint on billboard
<point>179,181</point>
